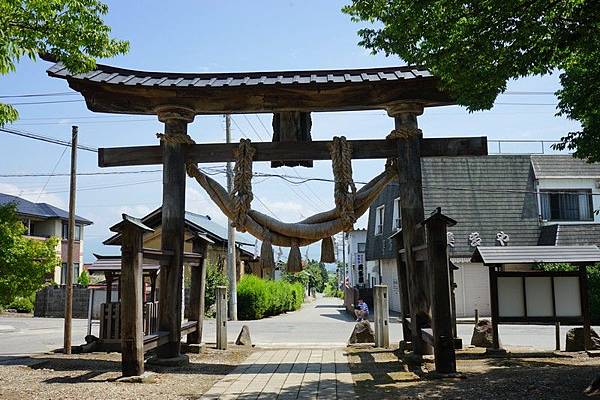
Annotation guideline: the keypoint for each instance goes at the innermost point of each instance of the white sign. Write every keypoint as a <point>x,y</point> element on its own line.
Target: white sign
<point>502,238</point>
<point>474,239</point>
<point>450,239</point>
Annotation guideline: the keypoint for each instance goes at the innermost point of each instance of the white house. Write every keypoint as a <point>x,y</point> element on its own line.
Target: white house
<point>499,200</point>
<point>356,242</point>
<point>42,221</point>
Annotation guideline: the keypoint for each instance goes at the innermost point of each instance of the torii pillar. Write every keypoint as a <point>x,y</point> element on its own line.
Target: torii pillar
<point>413,277</point>
<point>176,120</point>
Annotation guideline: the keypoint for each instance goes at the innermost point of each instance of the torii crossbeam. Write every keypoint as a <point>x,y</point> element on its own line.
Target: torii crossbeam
<point>176,98</point>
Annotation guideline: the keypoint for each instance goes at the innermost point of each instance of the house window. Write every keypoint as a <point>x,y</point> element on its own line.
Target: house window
<point>63,273</point>
<point>566,205</point>
<point>65,231</point>
<point>379,214</point>
<point>396,222</point>
<point>361,247</point>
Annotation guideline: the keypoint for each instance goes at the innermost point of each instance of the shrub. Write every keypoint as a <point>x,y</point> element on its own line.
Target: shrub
<point>214,277</point>
<point>84,279</point>
<point>21,304</point>
<point>258,298</point>
<point>253,297</point>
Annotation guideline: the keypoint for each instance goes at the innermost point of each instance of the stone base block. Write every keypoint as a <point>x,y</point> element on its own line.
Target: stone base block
<point>178,361</point>
<point>192,348</point>
<point>496,352</point>
<point>146,377</point>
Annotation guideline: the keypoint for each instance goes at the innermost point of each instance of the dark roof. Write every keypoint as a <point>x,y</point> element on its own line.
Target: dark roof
<point>130,77</point>
<point>485,194</point>
<point>563,166</point>
<point>202,223</point>
<point>113,264</point>
<point>536,254</point>
<point>570,235</point>
<point>119,90</point>
<point>39,210</point>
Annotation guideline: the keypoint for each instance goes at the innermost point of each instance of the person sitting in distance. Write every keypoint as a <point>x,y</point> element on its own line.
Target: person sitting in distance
<point>362,311</point>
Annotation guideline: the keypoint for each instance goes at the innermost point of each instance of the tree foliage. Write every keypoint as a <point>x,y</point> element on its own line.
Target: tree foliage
<point>69,30</point>
<point>24,262</point>
<point>476,47</point>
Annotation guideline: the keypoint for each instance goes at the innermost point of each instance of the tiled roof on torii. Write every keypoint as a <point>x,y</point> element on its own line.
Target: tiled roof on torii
<point>136,91</point>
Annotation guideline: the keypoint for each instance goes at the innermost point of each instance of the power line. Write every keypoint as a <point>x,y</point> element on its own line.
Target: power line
<point>30,103</point>
<point>51,94</point>
<point>51,172</point>
<point>112,121</point>
<point>26,175</point>
<point>47,139</point>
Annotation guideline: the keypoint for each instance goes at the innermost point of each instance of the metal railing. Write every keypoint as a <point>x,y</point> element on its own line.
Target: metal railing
<point>524,146</point>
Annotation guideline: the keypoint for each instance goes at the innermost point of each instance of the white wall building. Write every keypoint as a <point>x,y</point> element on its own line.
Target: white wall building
<point>512,200</point>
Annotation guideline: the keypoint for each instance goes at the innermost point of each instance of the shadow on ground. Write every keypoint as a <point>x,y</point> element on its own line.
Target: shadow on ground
<point>379,374</point>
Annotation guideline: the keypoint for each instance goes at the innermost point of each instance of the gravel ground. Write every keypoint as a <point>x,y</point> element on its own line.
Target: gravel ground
<point>92,376</point>
<point>379,375</point>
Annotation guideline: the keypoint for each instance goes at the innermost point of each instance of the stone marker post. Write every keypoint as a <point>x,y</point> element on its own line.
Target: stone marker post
<point>221,300</point>
<point>382,316</point>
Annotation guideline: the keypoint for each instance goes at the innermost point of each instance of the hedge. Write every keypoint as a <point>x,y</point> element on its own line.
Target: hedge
<point>258,298</point>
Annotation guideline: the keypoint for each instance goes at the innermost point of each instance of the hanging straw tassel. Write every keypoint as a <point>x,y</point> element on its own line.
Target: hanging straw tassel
<point>327,253</point>
<point>294,263</point>
<point>267,261</point>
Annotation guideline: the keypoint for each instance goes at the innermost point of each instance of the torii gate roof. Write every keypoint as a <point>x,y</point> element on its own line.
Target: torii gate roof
<point>119,90</point>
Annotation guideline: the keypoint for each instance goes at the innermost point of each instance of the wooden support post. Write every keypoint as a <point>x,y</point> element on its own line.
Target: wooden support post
<point>411,213</point>
<point>197,291</point>
<point>437,251</point>
<point>221,300</point>
<point>494,306</point>
<point>172,237</point>
<point>382,312</point>
<point>153,276</point>
<point>585,308</point>
<point>109,281</point>
<point>557,335</point>
<point>403,289</point>
<point>132,305</point>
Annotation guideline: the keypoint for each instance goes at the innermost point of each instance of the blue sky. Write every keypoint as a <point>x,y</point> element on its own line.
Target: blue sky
<point>229,36</point>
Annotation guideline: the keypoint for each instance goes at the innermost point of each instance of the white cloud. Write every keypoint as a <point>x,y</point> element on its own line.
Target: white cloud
<point>33,194</point>
<point>197,201</point>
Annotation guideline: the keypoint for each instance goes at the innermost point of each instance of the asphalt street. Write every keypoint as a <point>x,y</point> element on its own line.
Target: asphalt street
<point>323,323</point>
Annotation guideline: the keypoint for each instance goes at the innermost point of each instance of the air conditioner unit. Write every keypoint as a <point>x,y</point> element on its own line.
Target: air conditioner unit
<point>597,183</point>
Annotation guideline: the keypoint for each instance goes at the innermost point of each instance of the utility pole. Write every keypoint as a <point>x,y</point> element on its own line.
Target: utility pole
<point>344,254</point>
<point>70,242</point>
<point>231,262</point>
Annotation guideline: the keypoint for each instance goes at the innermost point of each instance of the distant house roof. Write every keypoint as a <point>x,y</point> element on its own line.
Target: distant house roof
<point>39,210</point>
<point>202,223</point>
<point>485,195</point>
<point>569,235</point>
<point>563,166</point>
<point>536,254</point>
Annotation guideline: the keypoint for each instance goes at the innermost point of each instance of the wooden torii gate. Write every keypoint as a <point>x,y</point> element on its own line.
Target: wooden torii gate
<point>177,98</point>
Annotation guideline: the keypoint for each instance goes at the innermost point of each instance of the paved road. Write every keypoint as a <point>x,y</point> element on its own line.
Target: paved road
<point>322,323</point>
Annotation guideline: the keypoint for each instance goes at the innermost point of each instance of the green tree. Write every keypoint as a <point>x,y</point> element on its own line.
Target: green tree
<point>317,275</point>
<point>476,47</point>
<point>84,278</point>
<point>71,31</point>
<point>24,262</point>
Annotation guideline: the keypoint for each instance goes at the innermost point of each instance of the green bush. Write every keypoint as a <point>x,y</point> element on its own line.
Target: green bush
<point>214,277</point>
<point>258,298</point>
<point>84,279</point>
<point>21,304</point>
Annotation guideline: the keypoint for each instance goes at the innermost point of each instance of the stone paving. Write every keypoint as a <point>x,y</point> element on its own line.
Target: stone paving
<point>288,374</point>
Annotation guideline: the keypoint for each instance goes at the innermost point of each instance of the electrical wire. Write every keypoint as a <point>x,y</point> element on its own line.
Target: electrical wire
<point>55,94</point>
<point>46,139</point>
